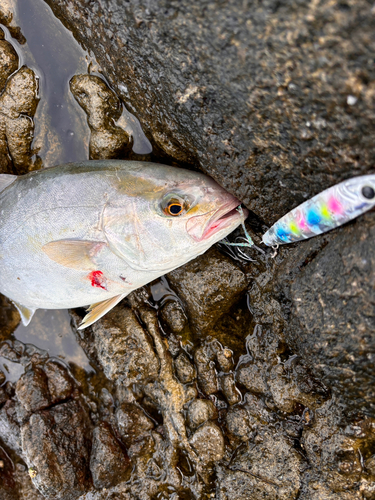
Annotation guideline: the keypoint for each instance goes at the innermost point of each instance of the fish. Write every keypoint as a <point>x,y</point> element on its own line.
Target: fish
<point>87,234</point>
<point>325,211</point>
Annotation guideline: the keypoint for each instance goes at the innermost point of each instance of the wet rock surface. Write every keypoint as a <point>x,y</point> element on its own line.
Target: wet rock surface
<point>242,380</point>
<point>272,99</point>
<point>18,102</point>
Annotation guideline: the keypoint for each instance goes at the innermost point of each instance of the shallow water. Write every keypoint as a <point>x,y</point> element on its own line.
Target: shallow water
<point>50,330</point>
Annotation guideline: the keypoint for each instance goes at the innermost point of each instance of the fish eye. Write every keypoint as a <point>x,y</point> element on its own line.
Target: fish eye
<point>174,204</point>
<point>174,208</point>
<point>368,192</point>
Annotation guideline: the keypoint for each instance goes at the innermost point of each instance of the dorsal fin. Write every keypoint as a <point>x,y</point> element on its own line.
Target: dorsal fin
<point>6,180</point>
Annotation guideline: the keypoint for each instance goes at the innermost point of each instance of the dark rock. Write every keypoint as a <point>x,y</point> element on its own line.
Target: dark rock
<point>209,286</point>
<point>331,322</point>
<point>108,463</point>
<point>184,369</point>
<point>8,62</point>
<point>229,389</point>
<point>173,315</point>
<point>235,89</point>
<point>208,442</point>
<point>269,470</point>
<point>18,104</point>
<point>9,316</point>
<point>9,428</point>
<point>56,444</point>
<point>121,346</point>
<point>60,383</point>
<point>199,411</point>
<point>240,423</point>
<point>207,375</point>
<point>252,376</point>
<point>103,108</point>
<point>133,424</point>
<point>32,390</point>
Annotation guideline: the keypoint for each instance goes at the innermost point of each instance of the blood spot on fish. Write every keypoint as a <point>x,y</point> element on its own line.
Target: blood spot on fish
<point>98,279</point>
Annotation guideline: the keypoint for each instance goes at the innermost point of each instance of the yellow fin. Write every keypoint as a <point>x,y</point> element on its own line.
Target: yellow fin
<point>75,254</point>
<point>26,313</point>
<point>98,310</point>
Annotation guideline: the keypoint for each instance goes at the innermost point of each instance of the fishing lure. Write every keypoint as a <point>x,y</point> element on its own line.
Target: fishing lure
<point>325,211</point>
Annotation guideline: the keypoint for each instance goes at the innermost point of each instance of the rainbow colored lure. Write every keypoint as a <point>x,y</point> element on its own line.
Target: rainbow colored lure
<point>325,211</point>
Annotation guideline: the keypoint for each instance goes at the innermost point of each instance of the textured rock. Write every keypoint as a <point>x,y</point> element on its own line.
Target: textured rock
<point>18,104</point>
<point>103,108</point>
<point>32,390</point>
<point>208,442</point>
<point>108,461</point>
<point>199,411</point>
<point>56,447</point>
<point>330,306</point>
<point>268,471</point>
<point>259,95</point>
<point>184,369</point>
<point>209,286</point>
<point>132,423</point>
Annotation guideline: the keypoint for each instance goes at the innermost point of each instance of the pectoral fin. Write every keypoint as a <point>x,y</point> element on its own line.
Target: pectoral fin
<point>25,312</point>
<point>98,310</point>
<point>6,180</point>
<point>75,254</point>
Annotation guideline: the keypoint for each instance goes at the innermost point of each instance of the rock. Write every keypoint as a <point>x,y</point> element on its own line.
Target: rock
<point>184,369</point>
<point>9,428</point>
<point>18,104</point>
<point>267,470</point>
<point>240,423</point>
<point>56,445</point>
<point>9,62</point>
<point>208,442</point>
<point>9,317</point>
<point>103,108</point>
<point>327,287</point>
<point>60,383</point>
<point>209,286</point>
<point>256,95</point>
<point>133,424</point>
<point>225,359</point>
<point>207,375</point>
<point>252,376</point>
<point>229,389</point>
<point>290,383</point>
<point>173,315</point>
<point>109,462</point>
<point>121,347</point>
<point>199,411</point>
<point>32,390</point>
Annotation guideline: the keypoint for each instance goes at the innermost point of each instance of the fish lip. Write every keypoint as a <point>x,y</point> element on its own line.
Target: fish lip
<point>220,220</point>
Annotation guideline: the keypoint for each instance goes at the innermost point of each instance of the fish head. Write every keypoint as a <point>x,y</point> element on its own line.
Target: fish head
<point>169,217</point>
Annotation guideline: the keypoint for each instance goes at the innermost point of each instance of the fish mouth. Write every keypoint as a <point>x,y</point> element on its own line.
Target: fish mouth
<point>226,216</point>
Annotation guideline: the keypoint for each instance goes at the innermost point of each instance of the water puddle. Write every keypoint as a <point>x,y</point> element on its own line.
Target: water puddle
<point>50,330</point>
<point>11,370</point>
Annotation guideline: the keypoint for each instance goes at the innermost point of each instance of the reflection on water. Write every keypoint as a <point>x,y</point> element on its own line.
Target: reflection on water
<point>50,330</point>
<point>11,370</point>
<point>61,131</point>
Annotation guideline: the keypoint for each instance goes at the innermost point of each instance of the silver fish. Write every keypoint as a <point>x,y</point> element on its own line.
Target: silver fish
<point>91,232</point>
